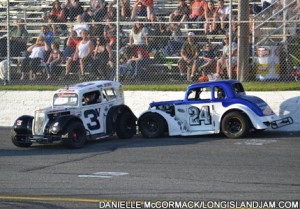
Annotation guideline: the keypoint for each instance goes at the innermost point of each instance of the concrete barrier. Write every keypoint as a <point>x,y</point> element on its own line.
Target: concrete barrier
<point>16,103</point>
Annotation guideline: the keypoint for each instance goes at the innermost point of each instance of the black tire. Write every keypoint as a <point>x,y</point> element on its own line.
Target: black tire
<point>76,135</point>
<point>152,125</point>
<point>236,125</point>
<point>19,140</point>
<point>126,125</point>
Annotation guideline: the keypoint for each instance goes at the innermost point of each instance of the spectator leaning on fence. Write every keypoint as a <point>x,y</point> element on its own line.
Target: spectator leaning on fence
<point>33,61</point>
<point>189,57</point>
<point>18,39</point>
<point>82,55</point>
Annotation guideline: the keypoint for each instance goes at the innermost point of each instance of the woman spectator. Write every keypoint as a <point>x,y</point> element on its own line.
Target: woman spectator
<point>138,35</point>
<point>210,18</point>
<point>82,55</point>
<point>100,59</point>
<point>37,54</point>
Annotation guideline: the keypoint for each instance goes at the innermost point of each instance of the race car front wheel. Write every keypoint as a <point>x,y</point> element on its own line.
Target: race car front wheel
<point>152,125</point>
<point>76,136</point>
<point>19,141</point>
<point>235,125</point>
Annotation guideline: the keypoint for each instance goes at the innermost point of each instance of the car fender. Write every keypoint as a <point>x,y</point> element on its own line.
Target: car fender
<point>60,124</point>
<point>23,125</point>
<point>112,116</point>
<point>257,121</point>
<point>173,126</point>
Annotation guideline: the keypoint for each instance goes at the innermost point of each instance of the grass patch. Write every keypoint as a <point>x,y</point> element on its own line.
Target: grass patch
<point>249,86</point>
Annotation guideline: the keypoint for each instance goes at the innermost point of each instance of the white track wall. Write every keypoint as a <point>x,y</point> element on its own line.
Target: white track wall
<point>16,103</point>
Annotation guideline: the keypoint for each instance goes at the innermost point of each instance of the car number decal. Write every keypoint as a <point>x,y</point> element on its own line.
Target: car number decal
<point>197,116</point>
<point>93,115</point>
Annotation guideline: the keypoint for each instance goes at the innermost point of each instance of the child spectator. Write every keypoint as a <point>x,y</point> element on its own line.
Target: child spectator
<point>53,60</point>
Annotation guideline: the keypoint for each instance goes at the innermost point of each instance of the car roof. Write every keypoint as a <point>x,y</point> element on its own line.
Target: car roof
<point>213,83</point>
<point>89,86</point>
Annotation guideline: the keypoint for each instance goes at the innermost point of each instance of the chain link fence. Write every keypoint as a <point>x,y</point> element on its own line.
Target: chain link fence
<point>59,43</point>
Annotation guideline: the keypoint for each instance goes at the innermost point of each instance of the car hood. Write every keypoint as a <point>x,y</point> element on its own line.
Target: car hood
<point>261,104</point>
<point>174,102</point>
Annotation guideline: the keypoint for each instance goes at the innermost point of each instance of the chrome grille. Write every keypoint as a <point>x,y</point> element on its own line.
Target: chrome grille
<point>39,119</point>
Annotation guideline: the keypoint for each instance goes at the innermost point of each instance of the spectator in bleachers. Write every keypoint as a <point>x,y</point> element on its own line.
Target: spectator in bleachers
<point>139,35</point>
<point>180,13</point>
<point>70,48</point>
<point>33,61</point>
<point>223,12</point>
<point>176,40</point>
<point>18,39</point>
<point>210,18</point>
<point>100,59</point>
<point>49,38</point>
<point>58,12</point>
<point>139,59</point>
<point>73,8</point>
<point>125,8</point>
<point>111,13</point>
<point>189,57</point>
<point>109,32</point>
<point>79,26</point>
<point>82,55</point>
<point>96,29</point>
<point>53,60</point>
<point>264,5</point>
<point>223,62</point>
<point>197,11</point>
<point>96,11</point>
<point>208,62</point>
<point>140,7</point>
<point>47,34</point>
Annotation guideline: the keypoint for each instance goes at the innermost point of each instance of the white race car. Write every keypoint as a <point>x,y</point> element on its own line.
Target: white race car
<point>85,111</point>
<point>210,108</point>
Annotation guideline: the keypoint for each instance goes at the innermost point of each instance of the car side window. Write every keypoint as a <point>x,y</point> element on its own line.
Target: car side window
<point>91,98</point>
<point>199,94</point>
<point>109,94</point>
<point>219,93</point>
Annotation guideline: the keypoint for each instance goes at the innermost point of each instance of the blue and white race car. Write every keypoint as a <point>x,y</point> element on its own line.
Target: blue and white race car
<point>210,108</point>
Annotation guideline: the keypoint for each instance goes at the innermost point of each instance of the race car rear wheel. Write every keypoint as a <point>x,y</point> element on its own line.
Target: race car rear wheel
<point>76,136</point>
<point>235,125</point>
<point>126,125</point>
<point>19,141</point>
<point>152,125</point>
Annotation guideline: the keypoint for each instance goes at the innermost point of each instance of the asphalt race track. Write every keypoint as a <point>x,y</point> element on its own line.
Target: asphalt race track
<point>264,166</point>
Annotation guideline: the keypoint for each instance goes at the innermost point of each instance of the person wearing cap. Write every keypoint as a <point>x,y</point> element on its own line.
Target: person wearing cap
<point>189,57</point>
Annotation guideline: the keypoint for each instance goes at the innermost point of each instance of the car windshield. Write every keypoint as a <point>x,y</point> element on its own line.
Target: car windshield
<point>65,99</point>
